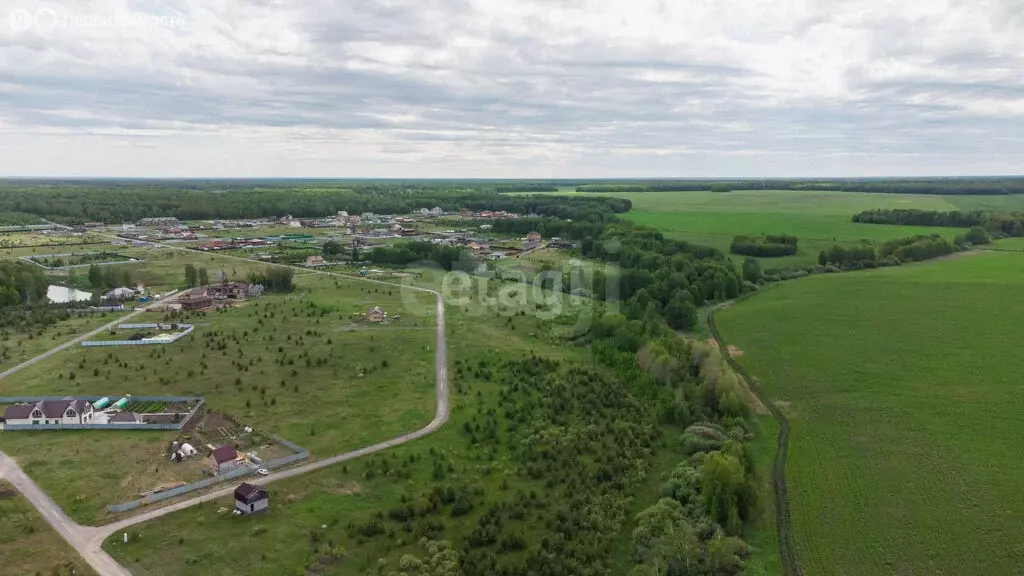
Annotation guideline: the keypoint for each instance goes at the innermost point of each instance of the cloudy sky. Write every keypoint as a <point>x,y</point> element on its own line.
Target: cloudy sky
<point>511,88</point>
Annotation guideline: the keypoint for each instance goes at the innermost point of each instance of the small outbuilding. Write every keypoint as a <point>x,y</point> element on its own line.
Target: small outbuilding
<point>125,418</point>
<point>250,499</point>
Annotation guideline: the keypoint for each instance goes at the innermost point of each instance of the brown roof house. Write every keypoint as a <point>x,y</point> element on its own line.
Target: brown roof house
<point>315,261</point>
<point>250,499</point>
<point>66,411</point>
<point>376,314</point>
<point>224,459</point>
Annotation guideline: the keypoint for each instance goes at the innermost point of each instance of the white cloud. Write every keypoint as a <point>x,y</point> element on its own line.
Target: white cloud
<point>531,88</point>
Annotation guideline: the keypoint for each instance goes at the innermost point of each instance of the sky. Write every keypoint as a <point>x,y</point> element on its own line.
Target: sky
<point>511,88</point>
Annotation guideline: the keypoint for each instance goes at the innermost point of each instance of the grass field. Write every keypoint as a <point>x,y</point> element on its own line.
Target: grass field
<point>299,366</point>
<point>280,542</point>
<point>818,219</point>
<point>27,543</point>
<point>903,391</point>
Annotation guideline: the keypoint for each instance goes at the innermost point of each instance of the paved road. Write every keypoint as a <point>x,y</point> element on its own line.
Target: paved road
<point>88,540</point>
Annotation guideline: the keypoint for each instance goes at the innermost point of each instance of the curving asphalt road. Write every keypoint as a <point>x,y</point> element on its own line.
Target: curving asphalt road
<point>88,540</point>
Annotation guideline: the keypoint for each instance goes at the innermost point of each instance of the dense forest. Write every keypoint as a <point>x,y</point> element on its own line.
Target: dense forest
<point>80,202</point>
<point>997,223</point>
<point>21,283</point>
<point>448,257</point>
<point>965,186</point>
<point>768,246</point>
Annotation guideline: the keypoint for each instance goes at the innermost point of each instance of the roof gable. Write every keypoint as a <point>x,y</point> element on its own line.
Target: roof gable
<point>224,454</point>
<point>54,408</point>
<point>250,492</point>
<point>18,411</point>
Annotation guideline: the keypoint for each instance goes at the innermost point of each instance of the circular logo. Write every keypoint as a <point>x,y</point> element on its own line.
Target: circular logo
<point>46,20</point>
<point>21,20</point>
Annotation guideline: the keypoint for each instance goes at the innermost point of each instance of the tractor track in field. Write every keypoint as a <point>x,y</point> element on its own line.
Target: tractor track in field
<point>787,552</point>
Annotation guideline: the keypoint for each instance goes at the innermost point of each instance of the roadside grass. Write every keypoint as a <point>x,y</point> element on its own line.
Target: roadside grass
<point>17,347</point>
<point>316,376</point>
<point>902,388</point>
<point>283,540</point>
<point>28,545</point>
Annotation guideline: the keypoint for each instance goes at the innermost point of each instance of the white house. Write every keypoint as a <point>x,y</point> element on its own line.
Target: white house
<point>250,498</point>
<point>122,293</point>
<point>67,411</point>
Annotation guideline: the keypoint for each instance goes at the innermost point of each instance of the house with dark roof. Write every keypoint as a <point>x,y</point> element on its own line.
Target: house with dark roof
<point>66,411</point>
<point>250,498</point>
<point>224,459</point>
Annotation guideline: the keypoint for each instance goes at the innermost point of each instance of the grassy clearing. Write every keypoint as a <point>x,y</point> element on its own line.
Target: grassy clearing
<point>28,545</point>
<point>902,387</point>
<point>17,347</point>
<point>299,366</point>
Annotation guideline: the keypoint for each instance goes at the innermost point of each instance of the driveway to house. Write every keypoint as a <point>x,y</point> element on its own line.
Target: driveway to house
<point>88,540</point>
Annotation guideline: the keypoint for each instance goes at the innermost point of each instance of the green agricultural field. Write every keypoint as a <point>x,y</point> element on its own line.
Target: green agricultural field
<point>28,545</point>
<point>903,389</point>
<point>300,366</point>
<point>818,219</point>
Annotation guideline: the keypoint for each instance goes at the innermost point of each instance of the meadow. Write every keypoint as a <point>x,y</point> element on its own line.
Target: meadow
<point>307,529</point>
<point>902,388</point>
<point>28,545</point>
<point>818,219</point>
<point>303,366</point>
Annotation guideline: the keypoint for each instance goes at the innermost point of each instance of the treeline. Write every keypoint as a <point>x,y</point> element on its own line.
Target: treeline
<point>767,246</point>
<point>18,219</point>
<point>1006,224</point>
<point>120,201</point>
<point>274,278</point>
<point>417,251</point>
<point>891,253</point>
<point>958,186</point>
<point>21,283</point>
<point>110,277</point>
<point>552,227</point>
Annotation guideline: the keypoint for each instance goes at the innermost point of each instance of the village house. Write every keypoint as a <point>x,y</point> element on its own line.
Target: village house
<point>67,411</point>
<point>376,314</point>
<point>224,459</point>
<point>121,293</point>
<point>250,498</point>
<point>531,241</point>
<point>315,261</point>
